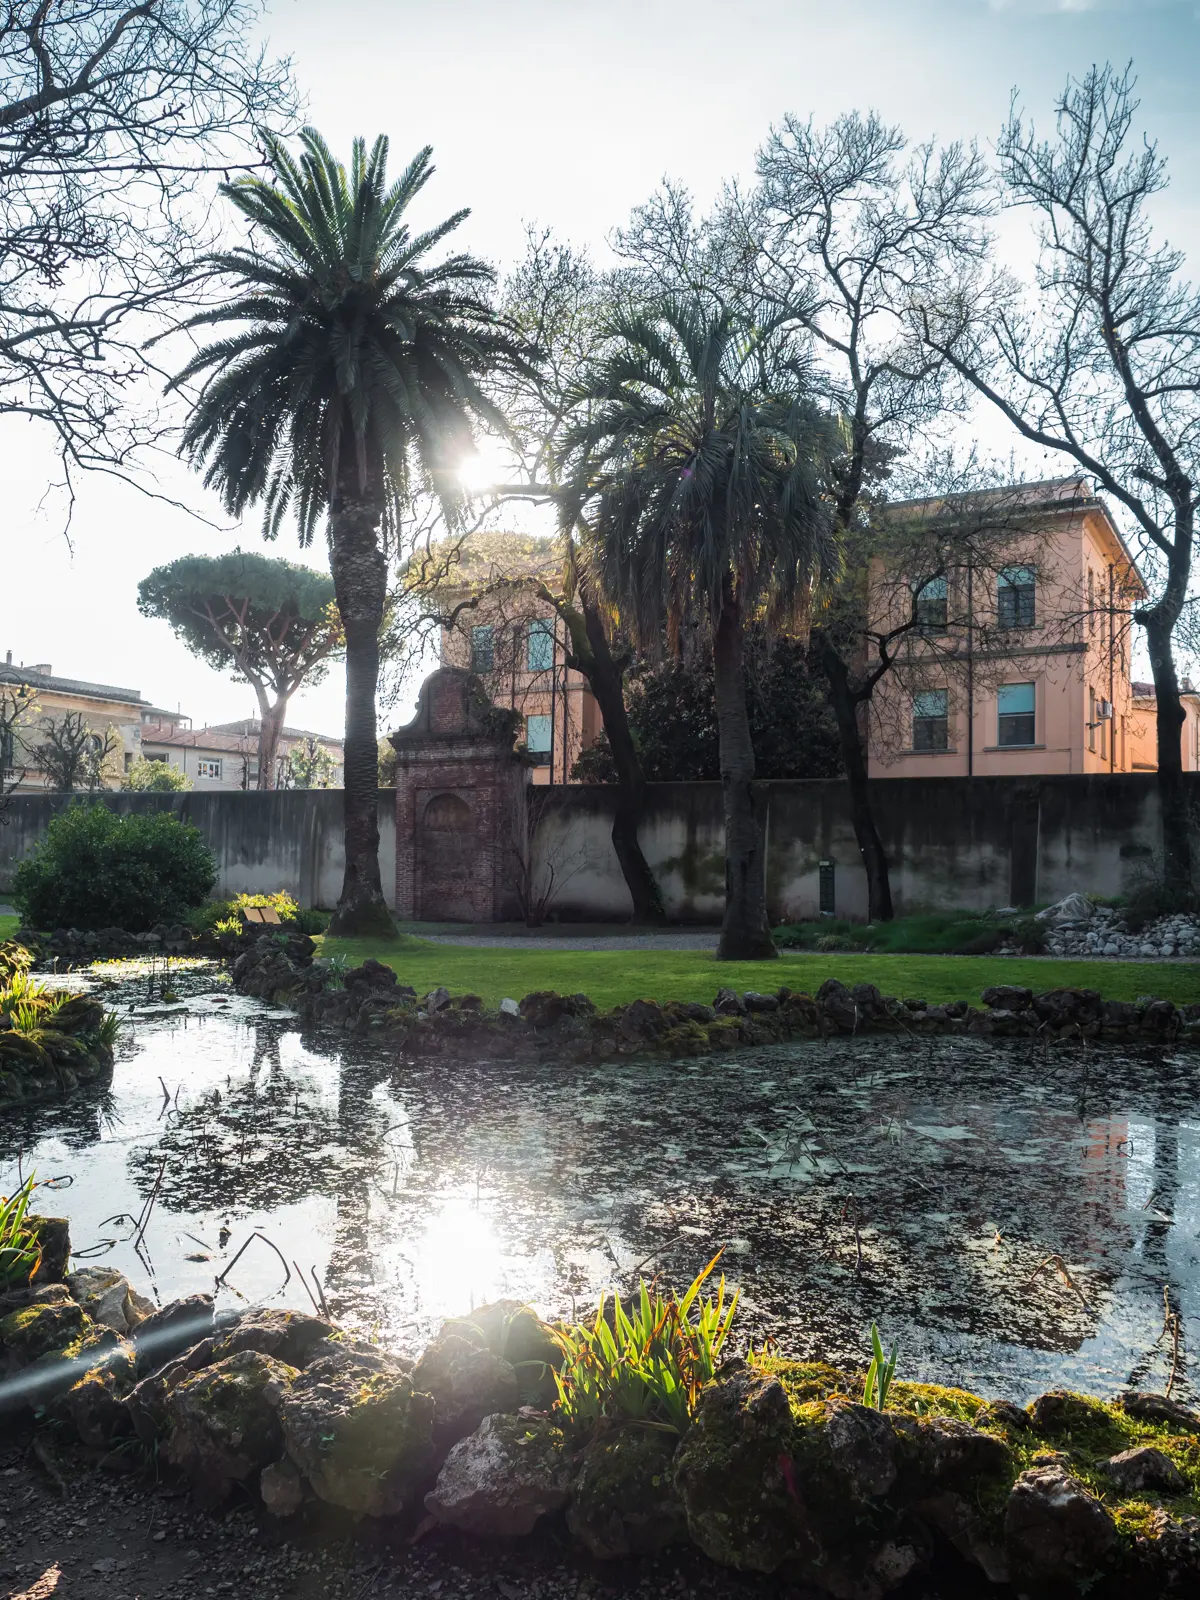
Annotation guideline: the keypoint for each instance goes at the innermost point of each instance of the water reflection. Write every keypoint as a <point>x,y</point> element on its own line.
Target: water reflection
<point>1013,1218</point>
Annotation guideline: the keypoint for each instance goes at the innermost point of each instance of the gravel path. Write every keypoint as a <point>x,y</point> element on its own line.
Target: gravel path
<point>695,939</point>
<point>105,1532</point>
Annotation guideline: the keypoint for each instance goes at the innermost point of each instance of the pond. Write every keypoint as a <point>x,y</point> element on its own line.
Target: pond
<point>1012,1216</point>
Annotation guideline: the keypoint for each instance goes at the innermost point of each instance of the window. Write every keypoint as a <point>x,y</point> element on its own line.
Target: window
<point>931,606</point>
<point>1015,598</point>
<point>208,769</point>
<point>537,738</point>
<point>1016,719</point>
<point>483,649</point>
<point>539,645</point>
<point>1091,719</point>
<point>930,721</point>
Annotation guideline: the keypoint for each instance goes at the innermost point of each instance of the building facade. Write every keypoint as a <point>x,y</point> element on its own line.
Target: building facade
<point>221,757</point>
<point>517,644</point>
<point>1020,664</point>
<point>48,697</point>
<point>225,756</point>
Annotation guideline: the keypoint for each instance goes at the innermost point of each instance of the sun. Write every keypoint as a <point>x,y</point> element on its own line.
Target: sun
<point>487,465</point>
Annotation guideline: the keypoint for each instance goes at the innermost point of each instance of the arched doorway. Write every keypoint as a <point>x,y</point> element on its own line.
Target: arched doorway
<point>447,860</point>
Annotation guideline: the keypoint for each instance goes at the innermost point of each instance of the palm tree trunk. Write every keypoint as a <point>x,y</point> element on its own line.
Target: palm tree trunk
<point>745,931</point>
<point>360,585</point>
<point>870,845</point>
<point>605,683</point>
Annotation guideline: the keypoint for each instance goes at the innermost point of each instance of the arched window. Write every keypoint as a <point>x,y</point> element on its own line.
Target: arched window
<point>446,813</point>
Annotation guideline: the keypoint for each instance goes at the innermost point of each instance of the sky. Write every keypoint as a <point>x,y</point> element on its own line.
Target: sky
<point>566,113</point>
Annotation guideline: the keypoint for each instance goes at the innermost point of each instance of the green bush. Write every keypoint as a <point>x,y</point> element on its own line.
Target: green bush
<point>222,916</point>
<point>98,869</point>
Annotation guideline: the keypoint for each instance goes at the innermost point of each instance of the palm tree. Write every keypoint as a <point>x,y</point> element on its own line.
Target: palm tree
<point>354,378</point>
<point>693,478</point>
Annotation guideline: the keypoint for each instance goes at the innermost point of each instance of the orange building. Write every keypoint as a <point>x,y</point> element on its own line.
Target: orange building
<point>518,645</point>
<point>1021,665</point>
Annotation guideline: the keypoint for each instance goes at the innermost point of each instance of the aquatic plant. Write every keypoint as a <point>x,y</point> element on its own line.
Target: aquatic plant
<point>647,1364</point>
<point>879,1373</point>
<point>20,1251</point>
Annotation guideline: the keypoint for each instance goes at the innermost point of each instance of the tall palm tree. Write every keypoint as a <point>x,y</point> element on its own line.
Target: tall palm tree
<point>693,477</point>
<point>354,377</point>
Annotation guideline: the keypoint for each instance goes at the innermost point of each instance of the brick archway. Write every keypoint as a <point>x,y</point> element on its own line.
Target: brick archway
<point>460,799</point>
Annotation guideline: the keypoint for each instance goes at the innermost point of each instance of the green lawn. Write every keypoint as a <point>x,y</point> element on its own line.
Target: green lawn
<point>613,977</point>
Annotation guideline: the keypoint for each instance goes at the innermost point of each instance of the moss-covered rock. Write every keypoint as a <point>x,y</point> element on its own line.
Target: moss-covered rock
<point>466,1381</point>
<point>37,1329</point>
<point>359,1433</point>
<point>733,1474</point>
<point>514,1331</point>
<point>223,1422</point>
<point>624,1501</point>
<point>500,1481</point>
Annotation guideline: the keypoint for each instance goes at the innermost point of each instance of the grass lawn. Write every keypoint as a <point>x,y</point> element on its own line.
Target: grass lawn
<point>613,977</point>
<point>9,926</point>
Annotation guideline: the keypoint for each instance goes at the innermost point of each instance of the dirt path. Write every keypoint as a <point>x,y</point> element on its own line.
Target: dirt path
<point>116,1535</point>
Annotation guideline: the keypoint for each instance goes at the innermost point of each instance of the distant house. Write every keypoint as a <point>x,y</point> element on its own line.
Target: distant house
<point>225,756</point>
<point>104,706</point>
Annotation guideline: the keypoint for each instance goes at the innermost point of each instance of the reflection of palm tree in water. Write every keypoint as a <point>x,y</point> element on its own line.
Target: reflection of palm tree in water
<point>266,1049</point>
<point>350,1269</point>
<point>1160,1206</point>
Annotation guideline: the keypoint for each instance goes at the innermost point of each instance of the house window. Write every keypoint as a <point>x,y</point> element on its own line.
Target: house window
<point>1016,718</point>
<point>930,720</point>
<point>208,769</point>
<point>483,649</point>
<point>1015,594</point>
<point>537,739</point>
<point>539,645</point>
<point>931,606</point>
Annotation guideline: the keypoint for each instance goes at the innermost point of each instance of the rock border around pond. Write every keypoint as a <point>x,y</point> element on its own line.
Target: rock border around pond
<point>782,1470</point>
<point>66,1044</point>
<point>546,1024</point>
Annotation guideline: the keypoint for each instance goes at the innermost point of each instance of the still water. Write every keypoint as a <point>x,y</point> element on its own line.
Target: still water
<point>1012,1217</point>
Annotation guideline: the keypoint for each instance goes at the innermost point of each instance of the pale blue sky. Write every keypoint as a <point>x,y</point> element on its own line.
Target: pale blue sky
<point>569,113</point>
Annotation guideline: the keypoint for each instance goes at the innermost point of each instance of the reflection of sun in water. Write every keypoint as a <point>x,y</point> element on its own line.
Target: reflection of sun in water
<point>458,1260</point>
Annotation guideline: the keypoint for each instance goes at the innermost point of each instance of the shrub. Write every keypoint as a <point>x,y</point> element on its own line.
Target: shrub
<point>646,1365</point>
<point>155,777</point>
<point>1152,899</point>
<point>98,869</point>
<point>20,1252</point>
<point>225,916</point>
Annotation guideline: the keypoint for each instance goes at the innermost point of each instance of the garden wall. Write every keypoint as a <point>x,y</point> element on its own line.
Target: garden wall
<point>953,842</point>
<point>290,839</point>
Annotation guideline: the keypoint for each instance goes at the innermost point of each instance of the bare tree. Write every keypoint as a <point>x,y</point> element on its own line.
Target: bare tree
<point>17,709</point>
<point>1100,362</point>
<point>72,755</point>
<point>845,229</point>
<point>112,117</point>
